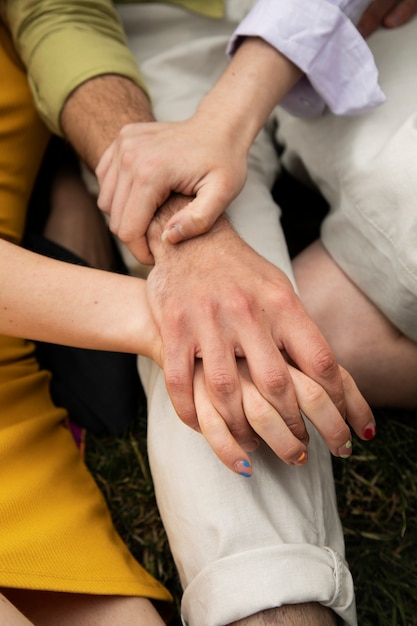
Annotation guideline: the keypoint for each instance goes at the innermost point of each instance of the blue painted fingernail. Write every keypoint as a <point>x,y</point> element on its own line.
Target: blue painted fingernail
<point>244,469</point>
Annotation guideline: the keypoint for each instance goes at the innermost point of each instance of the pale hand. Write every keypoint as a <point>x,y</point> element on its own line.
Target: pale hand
<point>147,162</point>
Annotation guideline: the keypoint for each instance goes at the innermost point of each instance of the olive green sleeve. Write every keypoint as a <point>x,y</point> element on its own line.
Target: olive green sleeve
<point>64,44</point>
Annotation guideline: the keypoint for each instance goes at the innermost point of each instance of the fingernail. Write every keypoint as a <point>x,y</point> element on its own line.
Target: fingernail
<point>345,451</point>
<point>244,469</point>
<point>369,431</point>
<point>302,459</point>
<point>175,227</point>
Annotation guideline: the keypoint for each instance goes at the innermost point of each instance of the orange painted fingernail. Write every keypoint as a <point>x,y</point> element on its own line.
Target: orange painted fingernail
<point>301,460</point>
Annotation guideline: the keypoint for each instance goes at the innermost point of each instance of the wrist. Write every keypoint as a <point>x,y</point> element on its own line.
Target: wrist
<point>162,250</point>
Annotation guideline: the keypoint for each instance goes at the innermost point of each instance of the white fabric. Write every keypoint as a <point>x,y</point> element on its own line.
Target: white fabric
<point>240,545</point>
<point>319,37</point>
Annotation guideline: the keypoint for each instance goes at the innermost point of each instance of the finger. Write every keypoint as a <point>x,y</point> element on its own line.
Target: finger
<point>359,414</point>
<point>269,425</point>
<point>196,218</point>
<point>223,387</point>
<point>139,248</point>
<point>401,13</point>
<point>134,205</point>
<point>373,17</point>
<point>107,177</point>
<point>269,371</point>
<point>178,366</point>
<point>215,430</point>
<point>312,355</point>
<point>320,410</point>
<point>105,161</point>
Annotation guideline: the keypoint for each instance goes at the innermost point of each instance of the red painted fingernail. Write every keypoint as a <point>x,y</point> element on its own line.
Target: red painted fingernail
<point>369,432</point>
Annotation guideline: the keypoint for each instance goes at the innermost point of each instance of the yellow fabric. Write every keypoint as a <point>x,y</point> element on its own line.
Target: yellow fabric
<point>55,530</point>
<point>41,28</point>
<point>209,8</point>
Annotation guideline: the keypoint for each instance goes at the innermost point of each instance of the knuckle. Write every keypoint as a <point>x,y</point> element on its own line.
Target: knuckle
<point>313,393</point>
<point>261,414</point>
<point>222,383</point>
<point>338,435</point>
<point>291,450</point>
<point>127,158</point>
<point>324,362</point>
<point>296,425</point>
<point>201,220</point>
<point>175,382</point>
<point>125,233</point>
<point>276,382</point>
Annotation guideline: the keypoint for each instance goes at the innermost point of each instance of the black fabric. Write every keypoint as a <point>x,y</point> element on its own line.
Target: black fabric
<point>100,390</point>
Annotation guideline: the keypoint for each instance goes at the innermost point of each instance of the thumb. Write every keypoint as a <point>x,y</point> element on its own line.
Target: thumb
<point>196,218</point>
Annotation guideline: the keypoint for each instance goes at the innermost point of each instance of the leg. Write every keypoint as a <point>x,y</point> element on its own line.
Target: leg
<point>66,609</point>
<point>306,614</point>
<point>75,222</point>
<point>242,547</point>
<point>380,358</point>
<point>10,615</point>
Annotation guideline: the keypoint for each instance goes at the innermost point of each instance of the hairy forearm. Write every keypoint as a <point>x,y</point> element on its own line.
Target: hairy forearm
<point>96,111</point>
<point>72,305</point>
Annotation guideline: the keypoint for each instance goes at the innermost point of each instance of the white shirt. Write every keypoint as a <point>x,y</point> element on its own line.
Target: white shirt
<point>320,37</point>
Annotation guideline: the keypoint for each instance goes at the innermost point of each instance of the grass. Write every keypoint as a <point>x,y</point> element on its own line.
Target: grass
<point>377,497</point>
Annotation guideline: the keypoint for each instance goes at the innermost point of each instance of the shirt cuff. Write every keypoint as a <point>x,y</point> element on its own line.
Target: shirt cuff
<point>339,68</point>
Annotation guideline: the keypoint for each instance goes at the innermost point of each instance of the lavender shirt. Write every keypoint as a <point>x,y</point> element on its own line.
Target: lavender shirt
<point>319,36</point>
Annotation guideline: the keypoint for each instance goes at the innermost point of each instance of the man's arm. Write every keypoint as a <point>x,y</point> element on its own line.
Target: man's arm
<point>97,110</point>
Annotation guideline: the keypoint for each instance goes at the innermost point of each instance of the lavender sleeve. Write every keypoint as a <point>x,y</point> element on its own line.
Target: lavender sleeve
<point>320,37</point>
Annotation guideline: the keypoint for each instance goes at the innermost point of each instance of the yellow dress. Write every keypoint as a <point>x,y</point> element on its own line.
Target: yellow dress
<point>55,529</point>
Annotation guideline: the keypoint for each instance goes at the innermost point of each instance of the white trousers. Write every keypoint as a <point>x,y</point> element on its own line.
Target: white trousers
<point>242,545</point>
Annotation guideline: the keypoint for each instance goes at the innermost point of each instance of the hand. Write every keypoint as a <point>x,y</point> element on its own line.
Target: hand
<point>146,162</point>
<point>215,298</point>
<point>388,13</point>
<point>268,424</point>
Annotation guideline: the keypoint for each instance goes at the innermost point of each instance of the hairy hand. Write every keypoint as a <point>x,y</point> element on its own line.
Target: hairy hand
<point>221,301</point>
